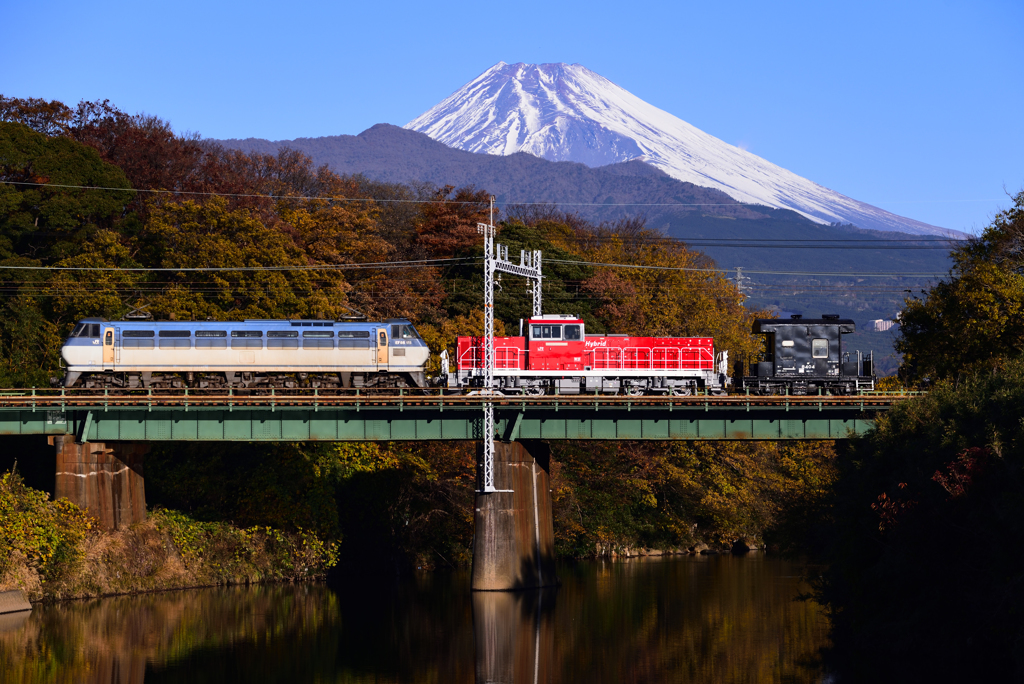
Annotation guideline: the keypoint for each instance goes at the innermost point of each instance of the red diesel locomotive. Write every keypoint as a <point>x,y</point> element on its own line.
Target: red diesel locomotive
<point>553,354</point>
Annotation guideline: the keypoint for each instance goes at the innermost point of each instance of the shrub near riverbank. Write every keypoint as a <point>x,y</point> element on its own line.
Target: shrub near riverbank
<point>52,550</point>
<point>926,567</point>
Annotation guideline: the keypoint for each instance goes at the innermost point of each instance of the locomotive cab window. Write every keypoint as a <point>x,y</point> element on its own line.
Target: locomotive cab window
<point>547,332</point>
<point>404,332</point>
<point>572,332</point>
<point>819,348</point>
<point>86,330</point>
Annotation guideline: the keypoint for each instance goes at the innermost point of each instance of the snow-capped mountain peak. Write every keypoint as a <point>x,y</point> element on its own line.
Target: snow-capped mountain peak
<point>565,112</point>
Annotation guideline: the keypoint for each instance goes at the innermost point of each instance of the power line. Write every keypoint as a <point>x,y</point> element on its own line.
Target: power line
<point>747,270</point>
<point>325,267</point>
<point>428,201</point>
<point>371,199</point>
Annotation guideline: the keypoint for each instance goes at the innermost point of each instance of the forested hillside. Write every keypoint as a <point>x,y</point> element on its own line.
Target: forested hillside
<point>92,187</point>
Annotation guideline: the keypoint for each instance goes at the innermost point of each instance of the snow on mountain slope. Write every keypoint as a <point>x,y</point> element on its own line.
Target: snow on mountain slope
<point>565,112</point>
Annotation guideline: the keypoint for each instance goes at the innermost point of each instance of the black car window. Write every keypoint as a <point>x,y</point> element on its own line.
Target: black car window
<point>175,333</point>
<point>137,333</point>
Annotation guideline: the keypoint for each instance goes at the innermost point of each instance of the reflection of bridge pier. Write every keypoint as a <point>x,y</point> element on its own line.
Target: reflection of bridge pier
<point>515,636</point>
<point>514,541</point>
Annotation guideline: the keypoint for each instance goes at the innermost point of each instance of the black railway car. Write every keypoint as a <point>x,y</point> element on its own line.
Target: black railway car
<point>804,356</point>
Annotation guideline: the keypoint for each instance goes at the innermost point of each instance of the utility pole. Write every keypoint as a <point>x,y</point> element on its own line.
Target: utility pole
<point>496,261</point>
<point>742,282</point>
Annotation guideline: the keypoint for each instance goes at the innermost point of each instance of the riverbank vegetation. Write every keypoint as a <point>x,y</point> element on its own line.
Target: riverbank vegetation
<point>920,531</point>
<point>53,550</point>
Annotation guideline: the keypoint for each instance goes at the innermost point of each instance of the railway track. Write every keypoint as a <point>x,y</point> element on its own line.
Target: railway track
<point>49,399</point>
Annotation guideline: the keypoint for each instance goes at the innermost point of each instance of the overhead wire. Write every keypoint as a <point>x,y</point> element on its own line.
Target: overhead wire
<point>201,193</point>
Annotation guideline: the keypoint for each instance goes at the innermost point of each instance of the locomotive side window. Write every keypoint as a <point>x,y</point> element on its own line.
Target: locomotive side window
<point>318,333</point>
<point>94,330</point>
<point>247,342</point>
<point>175,333</point>
<point>217,341</point>
<point>353,333</point>
<point>137,339</point>
<point>819,348</point>
<point>572,332</point>
<point>109,339</point>
<point>283,333</point>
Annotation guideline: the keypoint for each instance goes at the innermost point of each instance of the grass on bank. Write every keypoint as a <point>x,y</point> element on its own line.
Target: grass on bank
<point>53,550</point>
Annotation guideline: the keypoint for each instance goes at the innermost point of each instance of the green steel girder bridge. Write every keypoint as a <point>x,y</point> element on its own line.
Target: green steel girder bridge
<point>315,415</point>
<point>101,438</point>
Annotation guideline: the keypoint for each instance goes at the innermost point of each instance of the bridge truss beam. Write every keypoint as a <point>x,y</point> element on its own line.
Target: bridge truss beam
<point>511,422</point>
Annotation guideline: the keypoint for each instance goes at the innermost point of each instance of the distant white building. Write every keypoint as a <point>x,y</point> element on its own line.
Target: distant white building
<point>879,325</point>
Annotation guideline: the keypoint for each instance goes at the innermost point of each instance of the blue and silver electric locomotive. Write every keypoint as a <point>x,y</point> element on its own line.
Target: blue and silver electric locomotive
<point>251,353</point>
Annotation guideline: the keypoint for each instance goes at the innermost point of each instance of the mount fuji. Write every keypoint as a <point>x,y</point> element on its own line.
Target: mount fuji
<point>565,112</point>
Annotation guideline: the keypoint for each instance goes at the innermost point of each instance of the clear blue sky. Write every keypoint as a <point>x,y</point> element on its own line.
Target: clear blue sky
<point>916,107</point>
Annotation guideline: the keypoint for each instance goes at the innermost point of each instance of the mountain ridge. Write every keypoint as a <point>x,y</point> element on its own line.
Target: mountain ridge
<point>391,154</point>
<point>565,112</point>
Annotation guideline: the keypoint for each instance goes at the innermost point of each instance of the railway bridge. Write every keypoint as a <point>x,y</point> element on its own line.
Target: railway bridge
<point>101,437</point>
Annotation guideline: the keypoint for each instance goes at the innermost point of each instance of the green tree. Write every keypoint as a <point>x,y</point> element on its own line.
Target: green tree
<point>976,315</point>
<point>48,222</point>
<point>923,568</point>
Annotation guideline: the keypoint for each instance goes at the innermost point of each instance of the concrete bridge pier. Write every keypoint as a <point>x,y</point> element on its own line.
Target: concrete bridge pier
<point>104,479</point>
<point>514,541</point>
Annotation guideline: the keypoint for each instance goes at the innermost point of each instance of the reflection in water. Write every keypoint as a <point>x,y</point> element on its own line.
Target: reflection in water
<point>515,636</point>
<point>718,619</point>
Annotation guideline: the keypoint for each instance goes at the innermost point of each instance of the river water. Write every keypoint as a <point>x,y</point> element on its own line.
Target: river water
<point>679,619</point>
